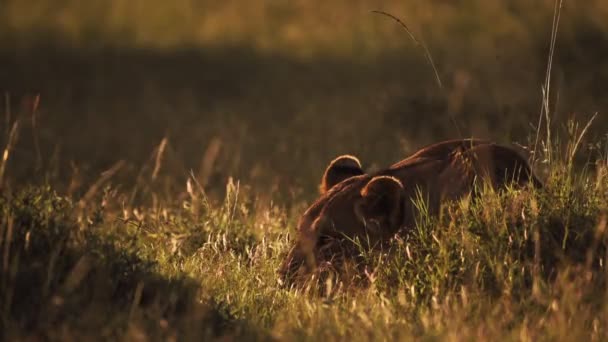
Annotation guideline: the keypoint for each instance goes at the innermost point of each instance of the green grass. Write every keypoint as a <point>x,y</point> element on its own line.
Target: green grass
<point>121,216</point>
<point>524,264</point>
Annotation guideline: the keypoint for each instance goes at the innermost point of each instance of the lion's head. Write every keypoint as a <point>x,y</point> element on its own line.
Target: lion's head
<point>360,209</point>
<point>354,206</point>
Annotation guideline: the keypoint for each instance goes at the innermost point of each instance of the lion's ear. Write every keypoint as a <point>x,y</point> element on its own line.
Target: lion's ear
<point>382,200</point>
<point>340,169</point>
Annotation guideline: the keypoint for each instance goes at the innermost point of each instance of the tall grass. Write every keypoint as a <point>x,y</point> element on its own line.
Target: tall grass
<point>138,249</point>
<point>521,264</point>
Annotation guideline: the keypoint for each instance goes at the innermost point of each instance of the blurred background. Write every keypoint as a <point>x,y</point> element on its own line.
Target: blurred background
<point>269,91</point>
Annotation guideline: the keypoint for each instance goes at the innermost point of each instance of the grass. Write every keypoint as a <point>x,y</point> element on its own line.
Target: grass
<point>524,264</point>
<point>157,160</point>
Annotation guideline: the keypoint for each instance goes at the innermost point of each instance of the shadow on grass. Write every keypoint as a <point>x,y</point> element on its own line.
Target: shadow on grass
<point>60,280</point>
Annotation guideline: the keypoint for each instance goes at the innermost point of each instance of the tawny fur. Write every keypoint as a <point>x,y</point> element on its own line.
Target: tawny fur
<point>339,169</point>
<point>376,207</point>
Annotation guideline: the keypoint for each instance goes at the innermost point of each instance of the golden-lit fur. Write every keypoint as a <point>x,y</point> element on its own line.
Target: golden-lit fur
<point>373,208</point>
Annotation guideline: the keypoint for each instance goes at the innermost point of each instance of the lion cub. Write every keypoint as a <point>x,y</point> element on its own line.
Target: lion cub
<point>375,207</point>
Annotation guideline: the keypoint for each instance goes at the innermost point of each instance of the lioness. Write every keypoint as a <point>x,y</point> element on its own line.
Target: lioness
<point>374,207</point>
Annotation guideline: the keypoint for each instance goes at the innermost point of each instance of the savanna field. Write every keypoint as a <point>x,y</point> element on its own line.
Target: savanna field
<point>157,157</point>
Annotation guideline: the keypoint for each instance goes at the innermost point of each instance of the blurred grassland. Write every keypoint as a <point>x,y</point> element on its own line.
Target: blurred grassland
<point>295,28</point>
<point>279,88</point>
